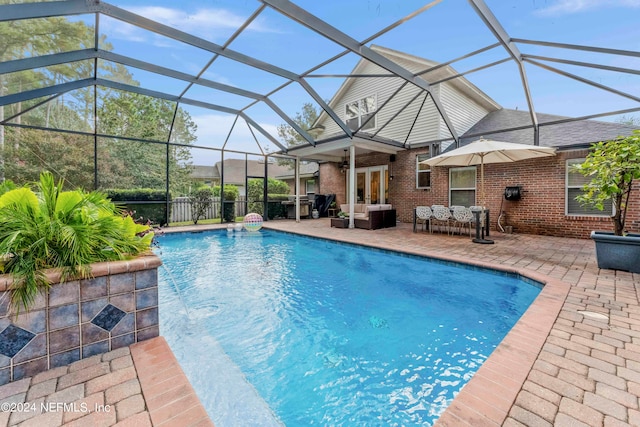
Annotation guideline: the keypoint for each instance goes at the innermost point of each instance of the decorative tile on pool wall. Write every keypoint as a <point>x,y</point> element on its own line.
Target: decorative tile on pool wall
<point>115,308</point>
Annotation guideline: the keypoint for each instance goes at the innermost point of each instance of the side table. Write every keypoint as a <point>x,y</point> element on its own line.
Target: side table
<point>340,222</point>
<point>332,212</point>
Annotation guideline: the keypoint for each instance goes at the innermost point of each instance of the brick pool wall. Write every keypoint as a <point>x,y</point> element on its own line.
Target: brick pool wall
<point>117,307</point>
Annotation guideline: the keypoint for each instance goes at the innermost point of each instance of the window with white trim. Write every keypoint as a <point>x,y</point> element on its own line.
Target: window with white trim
<point>575,181</point>
<point>462,186</point>
<point>310,185</point>
<point>423,172</point>
<point>358,112</point>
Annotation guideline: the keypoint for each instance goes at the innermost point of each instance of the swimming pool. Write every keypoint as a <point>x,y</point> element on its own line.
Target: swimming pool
<point>327,333</point>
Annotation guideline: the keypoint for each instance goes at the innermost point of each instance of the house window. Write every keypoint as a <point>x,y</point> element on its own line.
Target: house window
<point>575,181</point>
<point>310,185</point>
<point>462,186</point>
<point>357,113</point>
<point>423,172</point>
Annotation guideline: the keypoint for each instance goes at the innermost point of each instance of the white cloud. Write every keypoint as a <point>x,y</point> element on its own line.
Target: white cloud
<point>207,23</point>
<point>567,7</point>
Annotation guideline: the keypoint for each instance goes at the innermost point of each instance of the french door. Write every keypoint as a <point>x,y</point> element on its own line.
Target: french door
<point>371,185</point>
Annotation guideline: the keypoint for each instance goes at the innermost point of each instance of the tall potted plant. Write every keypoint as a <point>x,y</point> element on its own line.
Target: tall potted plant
<point>613,166</point>
<point>47,227</point>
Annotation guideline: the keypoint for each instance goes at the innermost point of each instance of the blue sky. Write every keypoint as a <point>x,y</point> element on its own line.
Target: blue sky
<point>447,30</point>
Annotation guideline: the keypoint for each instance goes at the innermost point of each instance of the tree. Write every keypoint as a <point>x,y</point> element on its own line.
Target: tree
<point>35,37</point>
<point>305,119</point>
<point>230,195</point>
<point>127,164</point>
<point>275,187</point>
<point>201,200</point>
<point>66,155</point>
<point>613,166</point>
<point>121,163</point>
<point>629,120</point>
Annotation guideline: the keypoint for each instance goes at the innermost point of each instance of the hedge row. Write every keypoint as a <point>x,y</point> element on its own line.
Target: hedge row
<point>156,213</point>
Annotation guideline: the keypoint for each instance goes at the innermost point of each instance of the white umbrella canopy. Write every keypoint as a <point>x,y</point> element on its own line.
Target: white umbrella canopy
<point>484,151</point>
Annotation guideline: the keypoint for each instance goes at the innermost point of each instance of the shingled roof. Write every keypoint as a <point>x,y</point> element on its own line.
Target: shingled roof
<point>234,170</point>
<point>561,135</point>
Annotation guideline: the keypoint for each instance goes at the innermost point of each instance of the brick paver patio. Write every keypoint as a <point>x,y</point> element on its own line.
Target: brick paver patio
<point>573,359</point>
<point>137,386</point>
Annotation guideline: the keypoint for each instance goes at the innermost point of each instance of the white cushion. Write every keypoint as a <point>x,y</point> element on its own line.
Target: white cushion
<point>370,208</point>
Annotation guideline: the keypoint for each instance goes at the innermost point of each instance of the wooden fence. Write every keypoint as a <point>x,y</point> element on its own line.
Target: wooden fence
<point>181,209</point>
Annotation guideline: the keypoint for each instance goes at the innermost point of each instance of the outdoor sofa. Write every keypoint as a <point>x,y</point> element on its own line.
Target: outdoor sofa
<point>372,217</point>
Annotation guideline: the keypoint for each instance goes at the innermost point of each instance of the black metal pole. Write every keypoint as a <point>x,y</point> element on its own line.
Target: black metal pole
<point>168,180</point>
<point>480,238</point>
<point>265,195</point>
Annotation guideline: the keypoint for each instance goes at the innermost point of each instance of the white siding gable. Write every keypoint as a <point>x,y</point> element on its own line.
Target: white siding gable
<point>463,103</point>
<point>383,88</point>
<point>463,111</point>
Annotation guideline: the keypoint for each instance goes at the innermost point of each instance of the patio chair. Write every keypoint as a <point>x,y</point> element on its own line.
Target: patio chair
<point>442,216</point>
<point>462,217</point>
<point>423,216</point>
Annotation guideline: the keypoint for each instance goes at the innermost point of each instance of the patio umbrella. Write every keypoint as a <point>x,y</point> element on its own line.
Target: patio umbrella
<point>484,151</point>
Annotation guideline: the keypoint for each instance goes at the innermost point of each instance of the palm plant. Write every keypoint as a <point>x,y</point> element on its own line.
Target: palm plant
<point>66,230</point>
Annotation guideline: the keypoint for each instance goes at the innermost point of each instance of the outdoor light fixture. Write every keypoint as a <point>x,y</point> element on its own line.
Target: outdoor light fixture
<point>345,163</point>
<point>392,158</point>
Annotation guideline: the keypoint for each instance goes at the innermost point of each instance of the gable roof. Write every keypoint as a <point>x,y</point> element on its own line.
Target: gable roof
<point>307,169</point>
<point>566,134</point>
<point>420,64</point>
<point>204,172</point>
<point>234,170</point>
<point>440,73</point>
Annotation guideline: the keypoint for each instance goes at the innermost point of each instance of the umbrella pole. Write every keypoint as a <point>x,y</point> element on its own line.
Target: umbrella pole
<point>481,215</point>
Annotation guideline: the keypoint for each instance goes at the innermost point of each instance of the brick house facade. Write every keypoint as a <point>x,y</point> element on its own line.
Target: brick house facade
<point>402,135</point>
<point>540,211</point>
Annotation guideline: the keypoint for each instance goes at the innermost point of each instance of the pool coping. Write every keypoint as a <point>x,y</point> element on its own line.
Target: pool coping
<point>168,394</point>
<point>491,393</point>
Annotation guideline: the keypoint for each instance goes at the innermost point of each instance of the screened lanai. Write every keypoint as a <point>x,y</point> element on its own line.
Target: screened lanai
<point>148,95</point>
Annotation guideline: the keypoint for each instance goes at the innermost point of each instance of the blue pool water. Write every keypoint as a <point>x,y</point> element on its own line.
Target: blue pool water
<point>327,333</point>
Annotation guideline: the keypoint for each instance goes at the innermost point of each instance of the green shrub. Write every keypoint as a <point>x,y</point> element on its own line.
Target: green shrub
<point>201,200</point>
<point>275,186</point>
<point>154,213</point>
<point>275,208</point>
<point>276,190</point>
<point>67,230</point>
<point>6,185</point>
<point>230,196</point>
